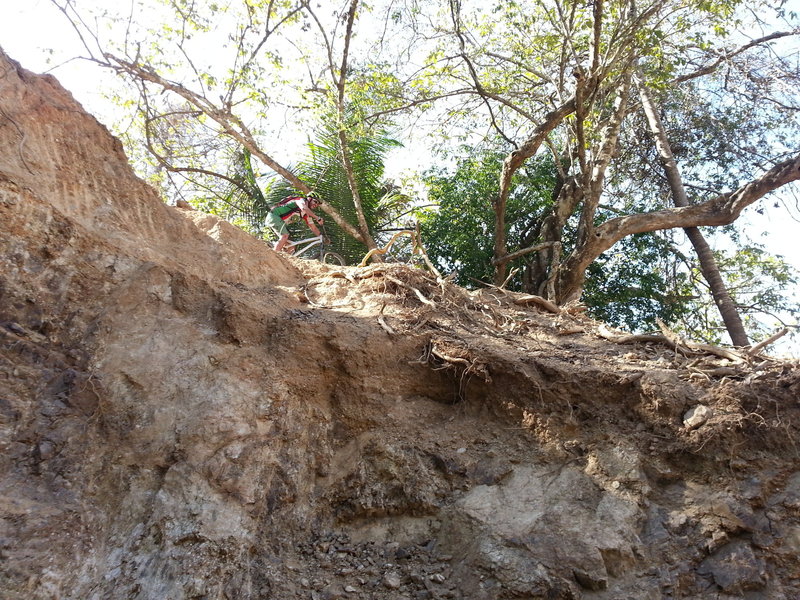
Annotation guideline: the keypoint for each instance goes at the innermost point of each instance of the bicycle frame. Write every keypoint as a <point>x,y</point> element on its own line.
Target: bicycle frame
<point>300,247</point>
<point>313,248</point>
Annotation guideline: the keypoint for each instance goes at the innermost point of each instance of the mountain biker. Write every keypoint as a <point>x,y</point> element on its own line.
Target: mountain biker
<point>287,209</point>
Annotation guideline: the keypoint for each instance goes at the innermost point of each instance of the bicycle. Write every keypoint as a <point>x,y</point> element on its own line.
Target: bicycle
<point>301,247</point>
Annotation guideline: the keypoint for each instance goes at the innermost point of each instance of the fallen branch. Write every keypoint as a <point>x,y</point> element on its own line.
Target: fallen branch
<point>539,301</point>
<point>680,342</point>
<point>761,345</point>
<point>630,338</point>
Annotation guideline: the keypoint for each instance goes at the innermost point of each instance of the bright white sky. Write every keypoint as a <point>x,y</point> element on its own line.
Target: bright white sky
<point>36,34</point>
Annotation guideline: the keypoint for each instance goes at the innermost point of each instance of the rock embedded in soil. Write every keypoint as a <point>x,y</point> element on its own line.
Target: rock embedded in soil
<point>697,416</point>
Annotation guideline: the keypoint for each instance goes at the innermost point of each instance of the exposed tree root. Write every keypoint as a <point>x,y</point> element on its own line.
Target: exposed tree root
<point>743,361</point>
<point>418,249</point>
<point>438,358</point>
<point>404,285</point>
<point>685,345</point>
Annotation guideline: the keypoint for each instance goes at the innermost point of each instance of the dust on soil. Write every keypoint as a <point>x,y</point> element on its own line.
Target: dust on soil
<point>185,414</point>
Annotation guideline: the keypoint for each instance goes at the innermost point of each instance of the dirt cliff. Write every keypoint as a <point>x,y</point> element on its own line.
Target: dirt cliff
<point>186,414</point>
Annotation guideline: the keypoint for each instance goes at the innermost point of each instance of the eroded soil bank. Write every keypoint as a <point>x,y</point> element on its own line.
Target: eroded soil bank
<point>186,414</point>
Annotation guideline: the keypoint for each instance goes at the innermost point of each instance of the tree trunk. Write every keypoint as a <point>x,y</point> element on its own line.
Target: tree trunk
<point>552,230</point>
<point>510,166</point>
<point>710,270</point>
<point>343,139</point>
<point>568,285</point>
<point>708,264</point>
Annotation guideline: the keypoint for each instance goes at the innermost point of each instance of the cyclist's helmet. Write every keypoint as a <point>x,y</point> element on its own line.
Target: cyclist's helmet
<point>313,199</point>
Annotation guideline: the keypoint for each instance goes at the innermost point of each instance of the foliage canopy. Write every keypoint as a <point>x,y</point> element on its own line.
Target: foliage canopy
<point>565,173</point>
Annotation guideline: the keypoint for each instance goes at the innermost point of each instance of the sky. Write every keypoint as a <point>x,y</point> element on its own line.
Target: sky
<point>36,34</point>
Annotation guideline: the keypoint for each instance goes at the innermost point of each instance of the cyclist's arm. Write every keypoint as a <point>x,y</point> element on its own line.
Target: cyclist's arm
<point>306,211</point>
<point>310,223</point>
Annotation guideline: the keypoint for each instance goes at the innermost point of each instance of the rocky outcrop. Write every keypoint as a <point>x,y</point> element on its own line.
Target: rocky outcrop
<point>186,414</point>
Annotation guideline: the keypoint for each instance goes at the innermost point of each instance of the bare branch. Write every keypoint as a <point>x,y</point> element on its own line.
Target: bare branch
<point>770,340</point>
<point>726,55</point>
<point>525,251</point>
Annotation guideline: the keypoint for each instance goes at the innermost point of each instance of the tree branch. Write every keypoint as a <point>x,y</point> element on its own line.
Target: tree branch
<point>722,210</point>
<point>725,56</point>
<point>519,253</point>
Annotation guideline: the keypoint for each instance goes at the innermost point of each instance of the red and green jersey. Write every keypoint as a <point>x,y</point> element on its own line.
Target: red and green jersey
<point>289,207</point>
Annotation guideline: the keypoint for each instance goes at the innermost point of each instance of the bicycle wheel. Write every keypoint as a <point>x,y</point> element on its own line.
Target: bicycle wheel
<point>331,258</point>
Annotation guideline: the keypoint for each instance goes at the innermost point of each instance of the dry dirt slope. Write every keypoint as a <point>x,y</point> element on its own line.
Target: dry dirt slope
<point>184,414</point>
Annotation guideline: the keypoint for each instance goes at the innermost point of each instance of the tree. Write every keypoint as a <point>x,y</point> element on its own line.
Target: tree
<point>758,284</point>
<point>642,279</point>
<point>326,173</point>
<point>241,202</point>
<point>708,265</point>
<point>561,72</point>
<point>457,233</point>
<point>339,80</point>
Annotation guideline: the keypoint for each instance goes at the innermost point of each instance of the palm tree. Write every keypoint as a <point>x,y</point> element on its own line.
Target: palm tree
<point>323,171</point>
